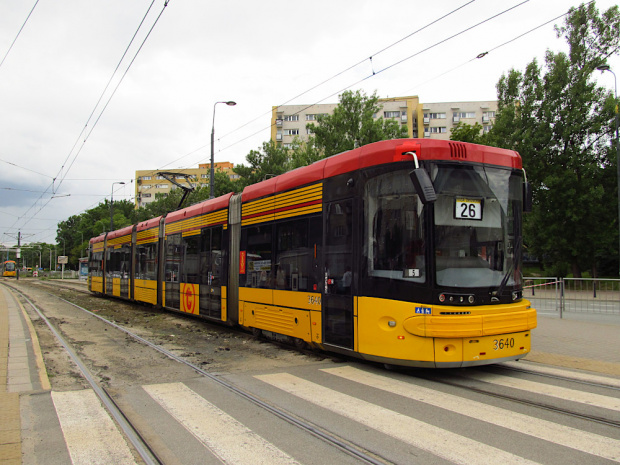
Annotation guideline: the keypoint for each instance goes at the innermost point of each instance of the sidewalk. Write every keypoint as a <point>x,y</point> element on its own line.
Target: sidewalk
<point>580,341</point>
<point>21,371</point>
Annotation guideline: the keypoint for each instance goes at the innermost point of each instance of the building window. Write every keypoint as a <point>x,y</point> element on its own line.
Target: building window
<point>311,117</point>
<point>162,186</point>
<point>391,114</point>
<point>146,196</point>
<point>291,132</point>
<point>436,130</point>
<point>486,129</point>
<point>146,178</point>
<point>291,118</point>
<point>488,114</point>
<point>464,114</point>
<point>435,115</point>
<point>160,177</point>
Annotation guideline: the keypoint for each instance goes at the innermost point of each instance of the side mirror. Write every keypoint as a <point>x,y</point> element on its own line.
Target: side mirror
<point>527,197</point>
<point>423,185</point>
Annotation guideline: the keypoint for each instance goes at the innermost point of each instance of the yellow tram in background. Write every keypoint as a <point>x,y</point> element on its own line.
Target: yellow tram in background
<point>404,252</point>
<point>9,268</point>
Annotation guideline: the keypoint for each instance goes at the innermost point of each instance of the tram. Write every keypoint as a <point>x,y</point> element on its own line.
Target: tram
<point>404,252</point>
<point>9,268</point>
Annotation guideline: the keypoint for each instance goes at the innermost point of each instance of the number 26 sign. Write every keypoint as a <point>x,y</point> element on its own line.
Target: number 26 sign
<point>468,209</point>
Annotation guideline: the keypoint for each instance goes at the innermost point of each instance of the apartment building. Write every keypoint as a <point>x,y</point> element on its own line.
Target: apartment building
<point>430,120</point>
<point>149,183</point>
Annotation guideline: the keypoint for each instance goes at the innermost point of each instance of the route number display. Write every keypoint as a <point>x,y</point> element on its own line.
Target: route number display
<point>468,209</point>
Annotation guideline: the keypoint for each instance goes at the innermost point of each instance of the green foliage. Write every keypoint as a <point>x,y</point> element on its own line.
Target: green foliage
<point>352,125</point>
<point>560,122</point>
<point>271,160</point>
<point>467,133</point>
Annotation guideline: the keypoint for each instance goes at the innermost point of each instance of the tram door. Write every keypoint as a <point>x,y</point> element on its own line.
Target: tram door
<point>338,298</point>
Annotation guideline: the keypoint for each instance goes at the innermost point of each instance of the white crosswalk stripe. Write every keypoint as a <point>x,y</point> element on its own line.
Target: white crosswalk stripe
<point>595,400</point>
<point>569,437</point>
<point>228,439</point>
<point>90,434</point>
<point>458,449</point>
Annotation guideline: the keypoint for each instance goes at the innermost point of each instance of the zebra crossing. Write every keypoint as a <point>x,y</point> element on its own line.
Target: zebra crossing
<point>335,389</point>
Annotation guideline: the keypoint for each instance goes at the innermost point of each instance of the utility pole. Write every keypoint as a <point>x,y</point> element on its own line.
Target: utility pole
<point>19,252</point>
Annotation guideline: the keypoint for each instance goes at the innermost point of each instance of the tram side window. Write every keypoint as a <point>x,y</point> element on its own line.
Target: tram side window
<point>256,242</point>
<point>394,245</point>
<point>146,266</point>
<point>296,242</point>
<point>94,265</point>
<point>211,258</point>
<point>173,258</point>
<point>191,259</point>
<point>124,258</point>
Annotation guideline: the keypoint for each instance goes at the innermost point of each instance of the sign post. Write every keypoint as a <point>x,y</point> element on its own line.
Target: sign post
<point>63,260</point>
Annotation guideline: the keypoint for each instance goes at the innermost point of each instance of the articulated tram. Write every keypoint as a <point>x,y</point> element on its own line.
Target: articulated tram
<point>405,252</point>
<point>9,268</point>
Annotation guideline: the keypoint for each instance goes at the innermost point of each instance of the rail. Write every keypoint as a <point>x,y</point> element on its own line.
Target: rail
<point>557,296</point>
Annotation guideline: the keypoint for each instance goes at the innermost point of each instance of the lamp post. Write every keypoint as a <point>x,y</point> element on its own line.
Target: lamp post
<point>230,103</point>
<point>112,205</point>
<point>603,68</point>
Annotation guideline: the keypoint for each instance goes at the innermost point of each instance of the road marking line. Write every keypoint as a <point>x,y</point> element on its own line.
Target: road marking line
<point>595,400</point>
<point>559,434</point>
<point>228,439</point>
<point>90,434</point>
<point>438,441</point>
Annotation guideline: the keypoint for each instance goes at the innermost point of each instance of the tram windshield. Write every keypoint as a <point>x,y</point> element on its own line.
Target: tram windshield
<point>477,226</point>
<point>9,266</point>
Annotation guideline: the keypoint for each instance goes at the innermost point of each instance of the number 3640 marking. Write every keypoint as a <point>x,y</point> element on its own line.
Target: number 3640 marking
<point>501,344</point>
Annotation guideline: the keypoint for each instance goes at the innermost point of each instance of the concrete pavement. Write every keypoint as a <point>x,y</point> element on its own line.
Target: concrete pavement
<point>575,342</point>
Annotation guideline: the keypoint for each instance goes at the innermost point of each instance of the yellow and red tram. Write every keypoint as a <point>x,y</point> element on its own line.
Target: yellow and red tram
<point>404,252</point>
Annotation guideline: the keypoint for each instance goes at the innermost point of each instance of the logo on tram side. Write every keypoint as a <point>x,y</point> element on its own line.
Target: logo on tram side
<point>189,298</point>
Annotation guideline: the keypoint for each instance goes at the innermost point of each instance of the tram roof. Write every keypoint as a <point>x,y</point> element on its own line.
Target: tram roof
<point>201,208</point>
<point>380,153</point>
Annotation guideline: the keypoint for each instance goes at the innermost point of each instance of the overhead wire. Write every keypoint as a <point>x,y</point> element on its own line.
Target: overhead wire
<point>375,73</point>
<point>60,176</point>
<point>18,34</point>
<point>325,81</point>
<point>484,54</point>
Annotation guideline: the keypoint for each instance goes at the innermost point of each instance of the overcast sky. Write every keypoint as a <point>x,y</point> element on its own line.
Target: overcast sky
<point>258,54</point>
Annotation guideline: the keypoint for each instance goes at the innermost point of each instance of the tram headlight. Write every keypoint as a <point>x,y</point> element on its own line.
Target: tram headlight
<point>442,297</point>
<point>471,299</point>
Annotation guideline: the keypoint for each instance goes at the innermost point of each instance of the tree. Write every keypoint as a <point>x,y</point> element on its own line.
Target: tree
<point>560,122</point>
<point>352,125</point>
<point>271,161</point>
<point>467,133</point>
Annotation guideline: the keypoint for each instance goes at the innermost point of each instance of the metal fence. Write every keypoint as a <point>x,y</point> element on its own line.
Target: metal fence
<point>573,295</point>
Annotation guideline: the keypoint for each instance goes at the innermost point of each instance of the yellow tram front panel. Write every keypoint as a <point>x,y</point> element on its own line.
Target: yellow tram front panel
<point>381,332</point>
<point>443,334</point>
<point>146,291</point>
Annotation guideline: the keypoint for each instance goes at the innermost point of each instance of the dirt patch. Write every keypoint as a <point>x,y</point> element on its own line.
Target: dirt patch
<point>117,359</point>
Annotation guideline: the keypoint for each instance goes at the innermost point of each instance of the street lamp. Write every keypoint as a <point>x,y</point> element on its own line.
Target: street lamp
<point>607,68</point>
<point>230,103</point>
<point>112,205</point>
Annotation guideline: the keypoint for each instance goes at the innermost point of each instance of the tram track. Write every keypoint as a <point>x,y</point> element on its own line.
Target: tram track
<point>142,447</point>
<point>455,383</point>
